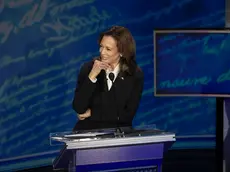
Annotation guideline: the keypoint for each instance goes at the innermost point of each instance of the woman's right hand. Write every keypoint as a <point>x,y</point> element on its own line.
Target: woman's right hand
<point>97,67</point>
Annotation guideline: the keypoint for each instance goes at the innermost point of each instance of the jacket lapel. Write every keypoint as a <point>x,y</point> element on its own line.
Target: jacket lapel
<point>103,81</point>
<point>119,86</point>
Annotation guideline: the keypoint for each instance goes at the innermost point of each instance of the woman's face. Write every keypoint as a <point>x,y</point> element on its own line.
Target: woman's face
<point>109,51</point>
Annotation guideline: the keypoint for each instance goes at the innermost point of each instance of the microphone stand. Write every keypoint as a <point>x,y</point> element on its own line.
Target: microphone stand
<point>111,77</point>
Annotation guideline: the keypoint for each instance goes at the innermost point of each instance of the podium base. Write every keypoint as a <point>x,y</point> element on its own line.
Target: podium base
<point>131,166</point>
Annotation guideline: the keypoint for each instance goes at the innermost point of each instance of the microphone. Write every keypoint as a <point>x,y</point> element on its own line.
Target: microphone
<point>111,76</point>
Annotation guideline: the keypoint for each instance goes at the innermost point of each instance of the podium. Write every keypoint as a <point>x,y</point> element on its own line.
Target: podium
<point>116,149</point>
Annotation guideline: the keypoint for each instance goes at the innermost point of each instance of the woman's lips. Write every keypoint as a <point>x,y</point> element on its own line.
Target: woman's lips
<point>103,58</point>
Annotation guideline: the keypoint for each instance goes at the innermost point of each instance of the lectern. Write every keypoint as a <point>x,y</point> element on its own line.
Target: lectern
<point>116,149</point>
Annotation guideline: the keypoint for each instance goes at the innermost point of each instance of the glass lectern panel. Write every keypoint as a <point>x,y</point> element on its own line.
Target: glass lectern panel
<point>121,134</point>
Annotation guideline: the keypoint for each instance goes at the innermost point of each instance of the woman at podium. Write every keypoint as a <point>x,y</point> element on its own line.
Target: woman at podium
<point>109,87</point>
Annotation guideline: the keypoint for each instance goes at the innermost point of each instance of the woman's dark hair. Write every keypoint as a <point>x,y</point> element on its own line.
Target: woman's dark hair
<point>126,47</point>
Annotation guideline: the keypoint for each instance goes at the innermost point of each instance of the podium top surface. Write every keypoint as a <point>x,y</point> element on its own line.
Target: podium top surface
<point>111,137</point>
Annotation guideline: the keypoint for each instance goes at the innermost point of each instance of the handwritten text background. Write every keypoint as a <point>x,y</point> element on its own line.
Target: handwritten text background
<point>193,62</point>
<point>43,43</point>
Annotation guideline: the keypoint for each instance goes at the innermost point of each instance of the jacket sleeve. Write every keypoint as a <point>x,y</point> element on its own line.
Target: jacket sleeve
<point>127,114</point>
<point>84,90</point>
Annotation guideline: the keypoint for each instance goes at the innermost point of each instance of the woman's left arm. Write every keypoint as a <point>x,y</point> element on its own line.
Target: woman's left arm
<point>127,114</point>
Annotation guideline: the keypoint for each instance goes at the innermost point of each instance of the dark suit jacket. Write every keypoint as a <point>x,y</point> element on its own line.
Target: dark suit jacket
<point>116,107</point>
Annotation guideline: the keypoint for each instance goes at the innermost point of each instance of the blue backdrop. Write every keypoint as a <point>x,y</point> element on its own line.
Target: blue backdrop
<point>201,63</point>
<point>42,46</point>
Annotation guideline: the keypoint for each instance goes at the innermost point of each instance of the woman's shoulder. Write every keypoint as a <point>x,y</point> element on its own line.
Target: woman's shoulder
<point>138,72</point>
<point>134,71</point>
